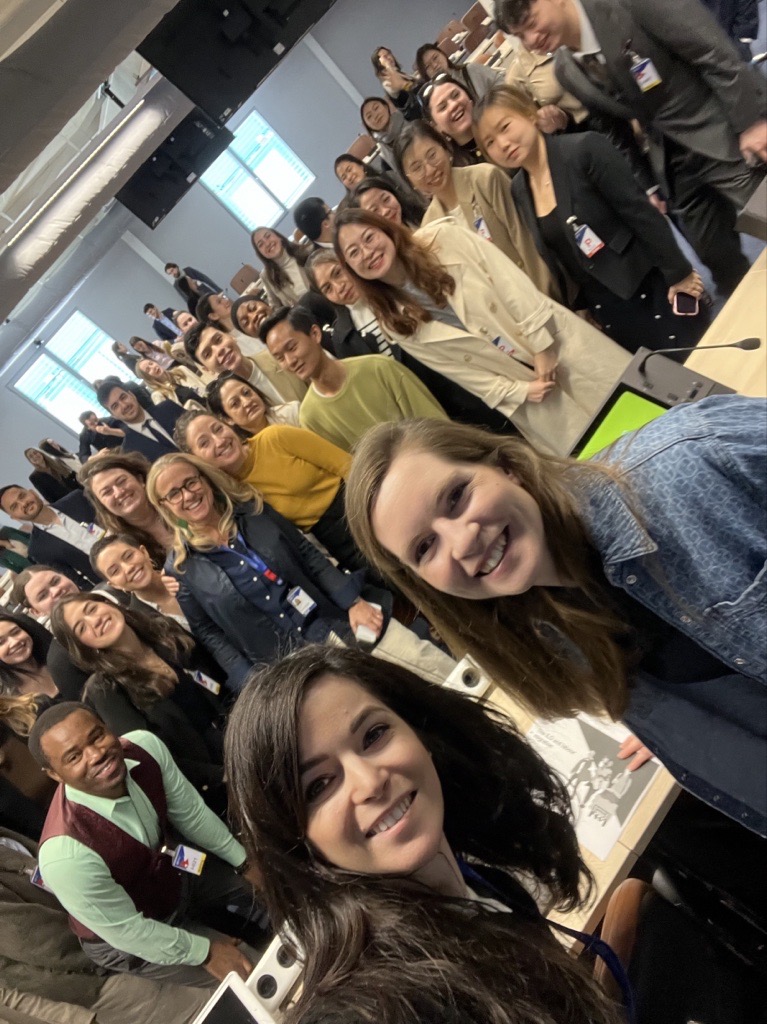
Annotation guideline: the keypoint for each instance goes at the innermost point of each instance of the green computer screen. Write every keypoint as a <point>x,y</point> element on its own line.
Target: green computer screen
<point>628,412</point>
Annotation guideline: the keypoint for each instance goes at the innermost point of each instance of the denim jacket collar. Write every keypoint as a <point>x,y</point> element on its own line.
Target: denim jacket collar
<point>615,530</point>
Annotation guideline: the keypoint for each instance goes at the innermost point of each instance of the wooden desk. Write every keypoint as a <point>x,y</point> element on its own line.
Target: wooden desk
<point>609,873</point>
<point>744,316</point>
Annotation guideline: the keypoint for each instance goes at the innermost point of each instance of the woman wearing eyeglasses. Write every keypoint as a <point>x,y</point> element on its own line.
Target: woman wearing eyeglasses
<point>477,196</point>
<point>252,586</point>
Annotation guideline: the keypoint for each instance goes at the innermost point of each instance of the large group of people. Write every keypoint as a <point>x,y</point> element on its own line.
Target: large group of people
<point>234,608</point>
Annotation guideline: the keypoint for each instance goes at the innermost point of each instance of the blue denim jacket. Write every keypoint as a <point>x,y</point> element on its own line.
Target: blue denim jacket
<point>687,538</point>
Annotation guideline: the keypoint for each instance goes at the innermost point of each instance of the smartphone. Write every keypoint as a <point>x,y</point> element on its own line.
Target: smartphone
<point>685,305</point>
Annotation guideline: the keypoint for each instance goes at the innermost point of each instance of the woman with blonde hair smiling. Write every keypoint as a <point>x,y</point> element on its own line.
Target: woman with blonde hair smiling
<point>251,585</point>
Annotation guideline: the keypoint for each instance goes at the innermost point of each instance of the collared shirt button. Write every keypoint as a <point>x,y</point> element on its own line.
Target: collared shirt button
<point>686,619</point>
<point>631,580</point>
<point>740,661</point>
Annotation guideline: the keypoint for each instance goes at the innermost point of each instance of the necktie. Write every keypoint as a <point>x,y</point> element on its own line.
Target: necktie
<point>157,434</point>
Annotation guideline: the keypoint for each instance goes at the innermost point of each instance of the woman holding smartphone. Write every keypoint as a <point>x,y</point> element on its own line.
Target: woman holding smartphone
<point>592,224</point>
<point>392,820</point>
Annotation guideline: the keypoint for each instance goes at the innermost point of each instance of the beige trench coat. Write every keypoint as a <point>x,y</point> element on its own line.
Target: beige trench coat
<point>494,298</point>
<point>485,191</point>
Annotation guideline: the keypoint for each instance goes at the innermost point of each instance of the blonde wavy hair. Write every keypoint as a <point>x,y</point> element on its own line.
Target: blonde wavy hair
<point>19,713</point>
<point>227,494</point>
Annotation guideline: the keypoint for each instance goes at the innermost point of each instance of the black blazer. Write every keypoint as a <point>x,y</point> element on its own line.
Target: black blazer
<point>45,549</point>
<point>92,439</point>
<point>161,330</point>
<point>51,488</point>
<point>167,414</point>
<point>594,184</point>
<point>236,633</point>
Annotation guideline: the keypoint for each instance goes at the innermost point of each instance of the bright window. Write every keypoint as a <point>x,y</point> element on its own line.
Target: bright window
<point>259,178</point>
<point>59,379</point>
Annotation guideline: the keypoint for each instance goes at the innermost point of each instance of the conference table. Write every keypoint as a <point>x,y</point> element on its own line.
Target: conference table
<point>743,316</point>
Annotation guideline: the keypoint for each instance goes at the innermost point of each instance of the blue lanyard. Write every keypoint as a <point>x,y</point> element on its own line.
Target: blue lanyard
<point>590,942</point>
<point>254,561</point>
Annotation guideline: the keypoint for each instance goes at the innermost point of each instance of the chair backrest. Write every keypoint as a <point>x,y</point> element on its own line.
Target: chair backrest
<point>474,38</point>
<point>448,47</point>
<point>245,275</point>
<point>451,29</point>
<point>474,17</point>
<point>362,146</point>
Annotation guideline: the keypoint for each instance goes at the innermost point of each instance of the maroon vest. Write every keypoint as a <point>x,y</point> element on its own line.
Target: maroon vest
<point>147,875</point>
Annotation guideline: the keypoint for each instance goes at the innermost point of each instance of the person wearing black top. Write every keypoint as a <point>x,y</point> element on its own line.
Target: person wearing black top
<point>449,105</point>
<point>51,477</point>
<point>98,434</point>
<point>191,284</point>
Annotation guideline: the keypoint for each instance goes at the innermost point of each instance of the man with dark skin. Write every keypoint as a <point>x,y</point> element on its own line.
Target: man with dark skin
<point>97,791</point>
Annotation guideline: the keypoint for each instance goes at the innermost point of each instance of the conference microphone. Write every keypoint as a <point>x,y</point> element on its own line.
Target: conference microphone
<point>747,344</point>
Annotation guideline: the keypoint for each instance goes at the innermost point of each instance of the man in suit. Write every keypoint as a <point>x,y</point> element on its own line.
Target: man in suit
<point>152,435</point>
<point>671,67</point>
<point>62,533</point>
<point>314,218</point>
<point>162,322</point>
<point>97,434</point>
<point>191,284</point>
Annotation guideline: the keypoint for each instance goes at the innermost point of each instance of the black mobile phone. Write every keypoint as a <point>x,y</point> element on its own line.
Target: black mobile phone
<point>685,305</point>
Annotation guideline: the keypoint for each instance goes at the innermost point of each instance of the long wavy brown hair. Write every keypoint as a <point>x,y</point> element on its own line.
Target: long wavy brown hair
<point>113,668</point>
<point>138,466</point>
<point>511,637</point>
<point>385,949</point>
<point>394,309</point>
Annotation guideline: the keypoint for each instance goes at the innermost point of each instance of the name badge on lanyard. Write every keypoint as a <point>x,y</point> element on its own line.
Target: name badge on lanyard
<point>186,858</point>
<point>301,601</point>
<point>37,880</point>
<point>210,684</point>
<point>254,561</point>
<point>480,226</point>
<point>643,71</point>
<point>504,345</point>
<point>588,241</point>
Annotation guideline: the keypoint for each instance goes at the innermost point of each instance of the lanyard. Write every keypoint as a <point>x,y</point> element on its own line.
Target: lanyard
<point>254,561</point>
<point>590,942</point>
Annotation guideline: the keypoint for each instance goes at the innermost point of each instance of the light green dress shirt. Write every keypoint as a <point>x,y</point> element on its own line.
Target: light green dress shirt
<point>82,881</point>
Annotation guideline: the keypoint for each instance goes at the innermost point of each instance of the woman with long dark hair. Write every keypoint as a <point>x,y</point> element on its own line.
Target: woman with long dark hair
<point>24,647</point>
<point>398,86</point>
<point>478,196</point>
<point>391,820</point>
<point>384,125</point>
<point>455,302</point>
<point>449,105</point>
<point>477,78</point>
<point>632,585</point>
<point>283,275</point>
<point>50,476</point>
<point>115,484</point>
<point>380,196</point>
<point>242,405</point>
<point>142,680</point>
<point>594,226</point>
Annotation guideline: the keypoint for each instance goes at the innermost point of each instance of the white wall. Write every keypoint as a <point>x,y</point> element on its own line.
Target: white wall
<point>306,105</point>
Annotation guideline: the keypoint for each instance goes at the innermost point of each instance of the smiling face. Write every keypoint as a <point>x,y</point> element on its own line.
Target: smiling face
<point>83,754</point>
<point>335,284</point>
<point>368,251</point>
<point>243,405</point>
<point>295,351</point>
<point>22,504</point>
<point>435,62</point>
<point>268,244</point>
<point>35,457</point>
<point>373,799</point>
<point>186,494</point>
<point>124,405</point>
<point>427,166</point>
<point>185,320</point>
<point>125,567</point>
<point>153,313</point>
<point>218,351</point>
<point>376,116</point>
<point>15,645</point>
<point>548,25</point>
<point>220,307</point>
<point>451,110</point>
<point>466,529</point>
<point>251,314</point>
<point>378,200</point>
<point>215,442</point>
<point>45,589</point>
<point>96,624</point>
<point>349,173</point>
<point>508,138</point>
<point>151,369</point>
<point>120,492</point>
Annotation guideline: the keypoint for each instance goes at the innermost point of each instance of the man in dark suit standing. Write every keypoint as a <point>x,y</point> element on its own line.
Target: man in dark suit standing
<point>97,434</point>
<point>62,533</point>
<point>145,432</point>
<point>162,322</point>
<point>191,284</point>
<point>670,66</point>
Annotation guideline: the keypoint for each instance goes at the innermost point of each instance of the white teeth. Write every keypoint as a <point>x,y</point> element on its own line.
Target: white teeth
<point>494,557</point>
<point>391,819</point>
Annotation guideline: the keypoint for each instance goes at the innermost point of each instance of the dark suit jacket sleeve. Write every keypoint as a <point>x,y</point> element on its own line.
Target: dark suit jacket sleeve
<point>114,707</point>
<point>691,33</point>
<point>206,632</point>
<point>199,276</point>
<point>162,331</point>
<point>600,162</point>
<point>84,451</point>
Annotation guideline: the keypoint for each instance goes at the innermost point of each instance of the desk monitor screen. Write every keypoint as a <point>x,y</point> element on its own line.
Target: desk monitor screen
<point>627,411</point>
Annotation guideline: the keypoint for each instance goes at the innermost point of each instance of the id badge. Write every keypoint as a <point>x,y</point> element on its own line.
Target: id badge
<point>186,858</point>
<point>588,241</point>
<point>482,229</point>
<point>37,879</point>
<point>301,601</point>
<point>645,75</point>
<point>207,682</point>
<point>504,345</point>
